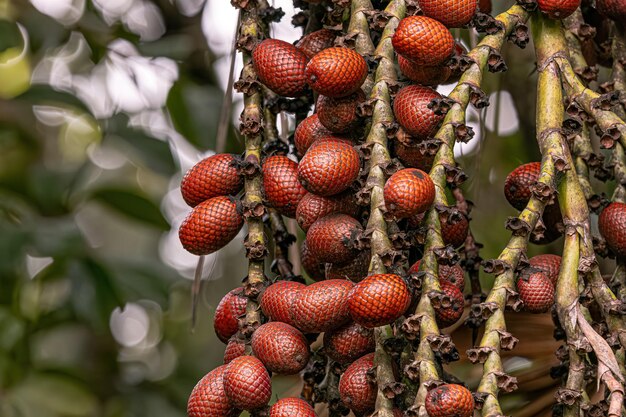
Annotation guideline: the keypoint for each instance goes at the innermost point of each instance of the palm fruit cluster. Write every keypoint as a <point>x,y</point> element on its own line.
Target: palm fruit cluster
<point>386,246</point>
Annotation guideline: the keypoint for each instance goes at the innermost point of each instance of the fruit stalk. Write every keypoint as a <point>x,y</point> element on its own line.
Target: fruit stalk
<point>282,240</point>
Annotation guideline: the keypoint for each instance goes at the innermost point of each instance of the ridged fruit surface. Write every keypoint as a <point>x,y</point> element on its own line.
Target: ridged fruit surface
<point>208,398</point>
<point>338,114</point>
<point>452,13</point>
<point>291,407</point>
<point>424,75</point>
<point>558,9</point>
<point>230,308</point>
<point>378,300</point>
<point>412,157</point>
<point>549,264</point>
<point>455,233</point>
<point>518,182</point>
<point>447,315</point>
<point>536,291</point>
<point>313,267</point>
<point>322,306</point>
<point>247,383</point>
<point>213,176</point>
<point>355,270</point>
<point>336,72</point>
<point>282,188</point>
<point>484,6</point>
<point>349,342</point>
<point>234,349</point>
<point>329,167</point>
<point>276,300</point>
<point>453,274</point>
<point>210,226</point>
<point>282,348</point>
<point>315,42</point>
<point>329,238</point>
<point>615,9</point>
<point>450,400</point>
<point>409,192</point>
<point>412,113</point>
<point>313,207</point>
<point>612,224</point>
<point>355,389</point>
<point>308,131</point>
<point>281,67</point>
<point>423,40</point>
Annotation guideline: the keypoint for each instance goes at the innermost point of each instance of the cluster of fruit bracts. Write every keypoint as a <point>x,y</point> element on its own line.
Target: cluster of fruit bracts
<point>371,199</point>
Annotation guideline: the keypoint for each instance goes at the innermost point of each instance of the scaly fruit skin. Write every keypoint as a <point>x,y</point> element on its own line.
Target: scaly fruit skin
<point>210,226</point>
<point>329,167</point>
<point>336,72</point>
<point>230,308</point>
<point>452,13</point>
<point>355,270</point>
<point>485,6</point>
<point>234,349</point>
<point>338,114</point>
<point>282,348</point>
<point>424,75</point>
<point>423,40</point>
<point>379,300</point>
<point>448,315</point>
<point>450,400</point>
<point>455,234</point>
<point>329,238</point>
<point>412,113</point>
<point>409,192</point>
<point>315,269</point>
<point>518,182</point>
<point>308,131</point>
<point>615,9</point>
<point>558,9</point>
<point>292,407</point>
<point>282,188</point>
<point>322,306</point>
<point>412,157</point>
<point>213,176</point>
<point>247,383</point>
<point>453,274</point>
<point>549,264</point>
<point>355,389</point>
<point>349,342</point>
<point>276,300</point>
<point>281,67</point>
<point>316,42</point>
<point>536,291</point>
<point>208,398</point>
<point>313,207</point>
<point>612,225</point>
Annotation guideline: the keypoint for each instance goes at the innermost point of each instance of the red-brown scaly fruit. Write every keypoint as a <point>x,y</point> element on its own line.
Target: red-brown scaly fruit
<point>247,383</point>
<point>450,400</point>
<point>452,13</point>
<point>234,349</point>
<point>315,269</point>
<point>355,389</point>
<point>338,114</point>
<point>276,300</point>
<point>329,167</point>
<point>292,407</point>
<point>412,157</point>
<point>558,9</point>
<point>213,176</point>
<point>354,270</point>
<point>313,207</point>
<point>208,398</point>
<point>336,72</point>
<point>536,291</point>
<point>349,342</point>
<point>322,306</point>
<point>330,238</point>
<point>423,40</point>
<point>446,315</point>
<point>308,131</point>
<point>424,75</point>
<point>549,264</point>
<point>281,67</point>
<point>485,6</point>
<point>282,348</point>
<point>412,113</point>
<point>230,308</point>
<point>615,9</point>
<point>409,192</point>
<point>517,184</point>
<point>612,225</point>
<point>453,274</point>
<point>379,300</point>
<point>282,188</point>
<point>455,233</point>
<point>210,226</point>
<point>315,42</point>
